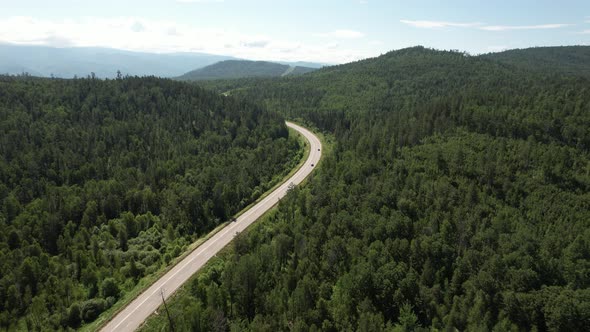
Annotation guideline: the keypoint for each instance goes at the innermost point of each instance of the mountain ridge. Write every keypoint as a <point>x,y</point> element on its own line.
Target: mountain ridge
<point>564,60</point>
<point>233,69</point>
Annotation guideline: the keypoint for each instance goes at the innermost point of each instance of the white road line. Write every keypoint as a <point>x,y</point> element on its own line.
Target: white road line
<point>143,310</point>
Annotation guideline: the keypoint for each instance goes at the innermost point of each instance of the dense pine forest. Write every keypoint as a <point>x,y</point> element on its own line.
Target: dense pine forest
<point>456,196</point>
<point>105,182</point>
<point>568,60</point>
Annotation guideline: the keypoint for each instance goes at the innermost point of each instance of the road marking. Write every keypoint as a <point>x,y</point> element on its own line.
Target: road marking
<point>241,224</point>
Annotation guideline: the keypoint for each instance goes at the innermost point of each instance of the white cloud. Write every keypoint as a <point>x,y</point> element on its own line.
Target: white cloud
<point>332,45</point>
<point>477,25</point>
<point>260,43</point>
<point>342,34</point>
<point>172,31</point>
<point>585,32</point>
<point>163,36</point>
<point>439,24</point>
<point>137,27</point>
<point>523,27</point>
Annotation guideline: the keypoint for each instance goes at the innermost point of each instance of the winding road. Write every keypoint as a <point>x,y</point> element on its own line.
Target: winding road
<point>130,318</point>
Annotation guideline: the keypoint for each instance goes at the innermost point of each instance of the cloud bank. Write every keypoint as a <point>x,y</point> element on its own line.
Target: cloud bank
<point>480,26</point>
<point>342,34</point>
<point>162,36</point>
<point>523,27</point>
<point>439,24</point>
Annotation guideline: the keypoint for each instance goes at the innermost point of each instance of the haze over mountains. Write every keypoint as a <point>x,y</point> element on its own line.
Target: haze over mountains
<point>103,62</point>
<point>44,61</point>
<point>242,68</point>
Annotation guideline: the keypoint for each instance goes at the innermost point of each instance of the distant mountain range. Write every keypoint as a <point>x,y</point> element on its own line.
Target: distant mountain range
<point>103,62</point>
<point>230,69</point>
<point>47,61</point>
<point>314,65</point>
<point>563,60</point>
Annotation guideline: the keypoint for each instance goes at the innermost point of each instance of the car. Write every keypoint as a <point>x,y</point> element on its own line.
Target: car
<point>318,149</point>
<point>311,165</point>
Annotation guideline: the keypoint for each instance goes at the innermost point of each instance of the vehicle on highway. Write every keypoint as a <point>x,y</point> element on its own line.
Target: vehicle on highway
<point>132,316</point>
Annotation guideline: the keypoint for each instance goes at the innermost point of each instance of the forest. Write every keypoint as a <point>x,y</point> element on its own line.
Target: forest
<point>568,60</point>
<point>104,182</point>
<point>230,69</point>
<point>456,196</point>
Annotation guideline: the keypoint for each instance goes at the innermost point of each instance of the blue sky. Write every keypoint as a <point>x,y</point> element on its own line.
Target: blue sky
<point>333,31</point>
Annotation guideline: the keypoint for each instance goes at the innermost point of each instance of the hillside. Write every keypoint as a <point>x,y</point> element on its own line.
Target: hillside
<point>103,62</point>
<point>298,70</point>
<point>315,65</point>
<point>103,183</point>
<point>367,84</point>
<point>232,69</point>
<point>564,60</point>
<point>455,197</point>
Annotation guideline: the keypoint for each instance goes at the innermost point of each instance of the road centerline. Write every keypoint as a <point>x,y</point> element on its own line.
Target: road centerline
<point>138,310</point>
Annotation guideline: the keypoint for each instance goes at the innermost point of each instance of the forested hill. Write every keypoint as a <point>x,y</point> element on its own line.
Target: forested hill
<point>563,60</point>
<point>104,182</point>
<point>456,196</point>
<point>232,69</point>
<point>363,84</point>
<point>417,77</point>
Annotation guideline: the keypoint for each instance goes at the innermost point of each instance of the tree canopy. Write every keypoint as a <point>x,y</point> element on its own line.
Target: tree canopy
<point>455,196</point>
<point>104,182</point>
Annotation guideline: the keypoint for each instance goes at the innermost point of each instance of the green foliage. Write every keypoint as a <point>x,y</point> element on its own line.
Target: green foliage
<point>456,197</point>
<point>100,180</point>
<point>407,319</point>
<point>109,288</point>
<point>92,308</point>
<point>231,69</point>
<point>563,60</point>
<point>74,316</point>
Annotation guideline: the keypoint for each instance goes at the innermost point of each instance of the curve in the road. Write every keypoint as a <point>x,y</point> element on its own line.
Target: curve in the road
<point>134,314</point>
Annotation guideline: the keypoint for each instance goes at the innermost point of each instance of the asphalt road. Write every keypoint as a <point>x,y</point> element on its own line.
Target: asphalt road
<point>130,318</point>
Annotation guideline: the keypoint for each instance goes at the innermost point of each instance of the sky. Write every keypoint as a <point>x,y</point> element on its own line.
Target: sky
<point>327,31</point>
